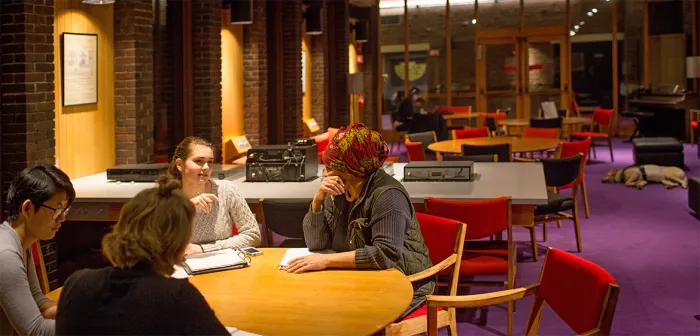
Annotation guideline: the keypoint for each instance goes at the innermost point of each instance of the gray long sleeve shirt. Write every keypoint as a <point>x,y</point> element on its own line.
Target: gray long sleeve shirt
<point>20,294</point>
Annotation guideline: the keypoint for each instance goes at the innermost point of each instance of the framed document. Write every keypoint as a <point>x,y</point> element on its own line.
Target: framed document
<point>78,69</point>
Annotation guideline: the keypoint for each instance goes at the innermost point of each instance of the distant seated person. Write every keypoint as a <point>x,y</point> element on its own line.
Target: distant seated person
<point>136,296</point>
<point>219,203</point>
<point>405,110</point>
<point>420,106</point>
<point>37,203</point>
<point>363,214</point>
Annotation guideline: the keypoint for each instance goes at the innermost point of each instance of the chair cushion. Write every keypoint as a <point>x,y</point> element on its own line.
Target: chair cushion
<point>657,145</point>
<point>422,311</point>
<point>583,135</point>
<point>484,262</point>
<point>555,203</point>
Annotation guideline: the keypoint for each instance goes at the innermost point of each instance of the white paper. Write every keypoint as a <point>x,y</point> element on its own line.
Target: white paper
<point>179,273</point>
<point>236,332</point>
<point>293,253</point>
<point>215,259</point>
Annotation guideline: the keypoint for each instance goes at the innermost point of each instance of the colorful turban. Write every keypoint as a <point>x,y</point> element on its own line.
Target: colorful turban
<point>357,150</point>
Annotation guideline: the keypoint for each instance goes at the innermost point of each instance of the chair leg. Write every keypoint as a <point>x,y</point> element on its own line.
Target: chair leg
<point>510,318</point>
<point>453,323</point>
<point>533,239</point>
<point>584,193</point>
<point>544,231</point>
<point>577,229</point>
<point>559,223</point>
<point>595,155</point>
<point>612,158</point>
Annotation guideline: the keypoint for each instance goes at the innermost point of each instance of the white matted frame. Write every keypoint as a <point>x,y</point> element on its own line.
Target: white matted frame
<point>78,69</point>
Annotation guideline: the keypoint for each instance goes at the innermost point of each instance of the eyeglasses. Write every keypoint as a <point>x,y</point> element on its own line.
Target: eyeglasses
<point>57,212</point>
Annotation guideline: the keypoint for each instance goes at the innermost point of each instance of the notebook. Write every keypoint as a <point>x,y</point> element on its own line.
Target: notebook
<point>225,259</point>
<point>293,253</point>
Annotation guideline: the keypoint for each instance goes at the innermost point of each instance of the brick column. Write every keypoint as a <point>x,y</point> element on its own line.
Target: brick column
<point>206,71</point>
<point>369,70</point>
<point>291,48</point>
<point>27,126</point>
<point>255,75</point>
<point>133,81</point>
<point>338,67</point>
<point>319,73</point>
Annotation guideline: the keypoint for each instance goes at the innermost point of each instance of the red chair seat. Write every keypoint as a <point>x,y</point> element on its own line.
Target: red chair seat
<point>484,262</point>
<point>422,311</point>
<point>392,159</point>
<point>584,135</point>
<point>694,124</point>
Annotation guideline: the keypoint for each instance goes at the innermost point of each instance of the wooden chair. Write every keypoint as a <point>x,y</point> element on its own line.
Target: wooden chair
<point>546,133</point>
<point>694,117</point>
<point>569,149</point>
<point>581,293</point>
<point>480,132</point>
<point>504,151</point>
<point>40,267</point>
<point>602,118</point>
<point>486,218</point>
<point>437,233</point>
<point>546,123</point>
<point>415,151</point>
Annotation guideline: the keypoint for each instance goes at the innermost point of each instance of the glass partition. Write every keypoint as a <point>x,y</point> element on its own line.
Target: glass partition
<point>463,65</point>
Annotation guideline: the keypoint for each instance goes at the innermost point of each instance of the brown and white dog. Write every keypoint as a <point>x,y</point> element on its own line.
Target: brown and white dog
<point>639,176</point>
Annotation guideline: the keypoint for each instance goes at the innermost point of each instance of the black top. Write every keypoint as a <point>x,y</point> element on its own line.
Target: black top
<point>133,301</point>
<point>405,110</point>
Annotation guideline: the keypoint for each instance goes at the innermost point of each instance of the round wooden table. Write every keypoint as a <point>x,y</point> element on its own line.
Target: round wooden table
<point>526,122</point>
<point>518,145</point>
<point>265,300</point>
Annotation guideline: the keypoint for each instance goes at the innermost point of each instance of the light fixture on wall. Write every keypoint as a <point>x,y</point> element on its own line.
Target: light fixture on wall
<point>314,20</point>
<point>98,2</point>
<point>361,31</point>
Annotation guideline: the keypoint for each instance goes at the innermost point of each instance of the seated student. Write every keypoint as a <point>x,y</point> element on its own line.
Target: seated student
<point>137,295</point>
<point>219,203</point>
<point>38,200</point>
<point>406,109</point>
<point>363,213</point>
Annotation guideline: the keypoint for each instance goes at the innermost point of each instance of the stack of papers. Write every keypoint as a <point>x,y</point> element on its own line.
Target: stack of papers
<point>213,261</point>
<point>237,332</point>
<point>294,253</point>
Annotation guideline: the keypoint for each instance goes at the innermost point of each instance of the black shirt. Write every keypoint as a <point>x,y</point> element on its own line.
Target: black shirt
<point>405,110</point>
<point>133,301</point>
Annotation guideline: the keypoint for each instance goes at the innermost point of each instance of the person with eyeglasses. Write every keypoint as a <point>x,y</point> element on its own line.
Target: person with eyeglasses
<point>38,200</point>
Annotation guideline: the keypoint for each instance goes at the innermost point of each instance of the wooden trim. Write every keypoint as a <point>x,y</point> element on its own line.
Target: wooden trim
<point>187,82</point>
<point>405,48</point>
<point>647,58</point>
<point>480,79</point>
<point>379,94</point>
<point>694,36</point>
<point>448,53</point>
<point>615,79</point>
<point>43,275</point>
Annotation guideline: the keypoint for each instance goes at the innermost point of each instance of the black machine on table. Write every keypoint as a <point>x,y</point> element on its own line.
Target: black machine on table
<point>669,113</point>
<point>295,162</point>
<point>436,171</point>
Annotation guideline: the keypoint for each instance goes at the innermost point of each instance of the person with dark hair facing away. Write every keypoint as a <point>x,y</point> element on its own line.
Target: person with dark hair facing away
<point>137,296</point>
<point>219,203</point>
<point>37,201</point>
<point>363,214</point>
<point>406,109</point>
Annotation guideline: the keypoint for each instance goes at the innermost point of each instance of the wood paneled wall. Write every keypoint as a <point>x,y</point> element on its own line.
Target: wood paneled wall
<point>306,100</point>
<point>85,134</point>
<point>231,83</point>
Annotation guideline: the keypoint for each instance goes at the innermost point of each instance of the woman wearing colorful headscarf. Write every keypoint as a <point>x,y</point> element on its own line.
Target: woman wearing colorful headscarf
<point>363,214</point>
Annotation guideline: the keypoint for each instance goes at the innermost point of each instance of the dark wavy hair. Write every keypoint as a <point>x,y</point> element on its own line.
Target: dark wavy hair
<point>37,184</point>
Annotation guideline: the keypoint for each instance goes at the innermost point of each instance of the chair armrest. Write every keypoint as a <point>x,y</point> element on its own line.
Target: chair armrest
<point>520,159</point>
<point>480,300</point>
<point>451,260</point>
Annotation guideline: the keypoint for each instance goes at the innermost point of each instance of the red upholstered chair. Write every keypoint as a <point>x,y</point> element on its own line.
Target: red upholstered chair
<point>582,294</point>
<point>322,141</point>
<point>536,132</point>
<point>445,241</point>
<point>602,118</point>
<point>460,109</point>
<point>485,218</point>
<point>496,115</point>
<point>163,158</point>
<point>569,149</point>
<point>694,115</point>
<point>415,151</point>
<point>470,133</point>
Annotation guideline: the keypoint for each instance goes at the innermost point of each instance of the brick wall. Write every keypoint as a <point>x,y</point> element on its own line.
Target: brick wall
<point>319,74</point>
<point>206,71</point>
<point>369,69</point>
<point>291,70</point>
<point>27,69</point>
<point>339,38</point>
<point>255,76</point>
<point>133,81</point>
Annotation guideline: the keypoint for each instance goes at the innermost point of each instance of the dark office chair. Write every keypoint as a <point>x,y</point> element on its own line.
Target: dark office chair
<point>503,151</point>
<point>284,217</point>
<point>546,123</point>
<point>493,126</point>
<point>475,158</point>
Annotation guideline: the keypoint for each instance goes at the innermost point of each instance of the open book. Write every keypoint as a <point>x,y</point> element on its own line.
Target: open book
<point>293,253</point>
<point>214,261</point>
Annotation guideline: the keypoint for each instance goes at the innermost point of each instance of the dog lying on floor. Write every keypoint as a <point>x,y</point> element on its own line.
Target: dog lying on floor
<point>639,176</point>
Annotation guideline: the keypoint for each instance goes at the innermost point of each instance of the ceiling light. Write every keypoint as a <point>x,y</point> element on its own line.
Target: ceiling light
<point>576,27</point>
<point>572,33</point>
<point>589,14</point>
<point>594,10</point>
<point>473,21</point>
<point>98,2</point>
<point>581,23</point>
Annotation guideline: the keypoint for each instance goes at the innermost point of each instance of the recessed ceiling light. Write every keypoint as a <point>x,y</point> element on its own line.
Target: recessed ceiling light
<point>594,10</point>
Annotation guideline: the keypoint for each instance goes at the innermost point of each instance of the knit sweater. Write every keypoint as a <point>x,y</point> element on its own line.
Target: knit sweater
<point>213,230</point>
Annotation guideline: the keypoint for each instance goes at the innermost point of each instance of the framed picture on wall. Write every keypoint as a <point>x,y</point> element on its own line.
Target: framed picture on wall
<point>78,69</point>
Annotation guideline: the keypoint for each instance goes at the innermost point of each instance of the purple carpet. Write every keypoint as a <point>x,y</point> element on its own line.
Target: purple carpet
<point>647,240</point>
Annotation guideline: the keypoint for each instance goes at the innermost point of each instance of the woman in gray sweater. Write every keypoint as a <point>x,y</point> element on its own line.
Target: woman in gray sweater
<point>363,214</point>
<point>38,201</point>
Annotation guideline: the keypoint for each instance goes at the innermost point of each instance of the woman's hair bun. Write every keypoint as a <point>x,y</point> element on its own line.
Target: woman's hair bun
<point>167,184</point>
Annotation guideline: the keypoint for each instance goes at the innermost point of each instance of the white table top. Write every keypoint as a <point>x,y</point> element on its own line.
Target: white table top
<point>522,181</point>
